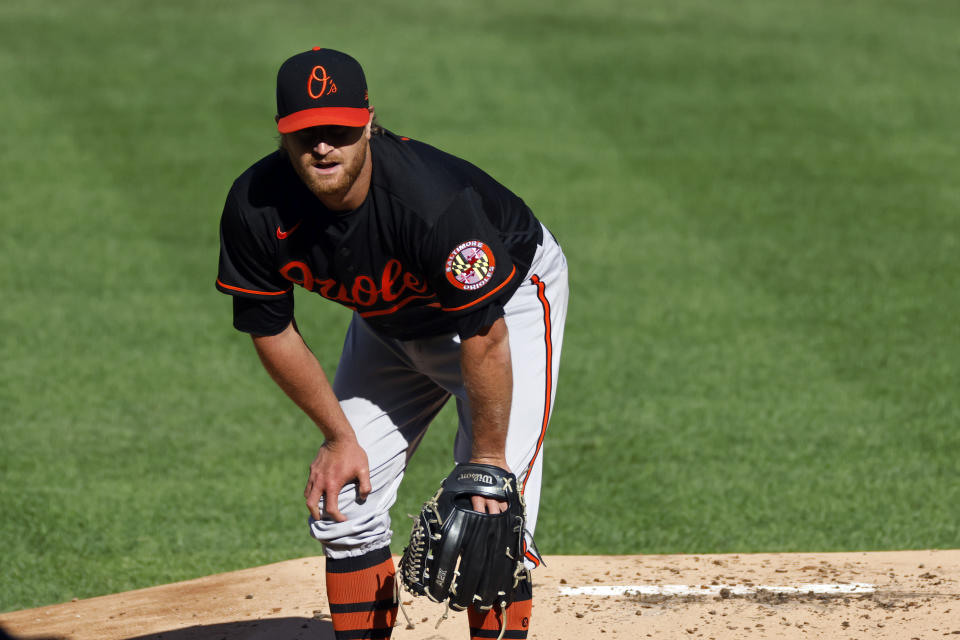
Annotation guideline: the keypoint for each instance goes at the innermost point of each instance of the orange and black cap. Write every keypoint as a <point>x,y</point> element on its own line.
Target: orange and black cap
<point>321,87</point>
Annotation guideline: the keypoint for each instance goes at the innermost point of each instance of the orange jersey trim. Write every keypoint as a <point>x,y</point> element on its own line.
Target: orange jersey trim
<point>394,308</point>
<point>484,297</point>
<point>259,293</point>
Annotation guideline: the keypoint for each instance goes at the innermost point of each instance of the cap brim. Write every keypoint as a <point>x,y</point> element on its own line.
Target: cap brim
<point>343,116</point>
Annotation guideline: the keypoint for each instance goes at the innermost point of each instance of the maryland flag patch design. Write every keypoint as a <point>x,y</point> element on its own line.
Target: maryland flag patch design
<point>470,265</point>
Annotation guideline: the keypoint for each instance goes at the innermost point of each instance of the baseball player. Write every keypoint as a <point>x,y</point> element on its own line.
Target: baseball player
<point>456,290</point>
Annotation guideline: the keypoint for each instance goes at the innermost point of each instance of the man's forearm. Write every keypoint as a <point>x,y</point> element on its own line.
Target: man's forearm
<point>340,459</point>
<point>488,377</point>
<point>296,370</point>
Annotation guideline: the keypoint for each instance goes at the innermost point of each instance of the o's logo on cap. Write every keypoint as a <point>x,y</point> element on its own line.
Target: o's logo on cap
<point>323,79</point>
<point>470,265</point>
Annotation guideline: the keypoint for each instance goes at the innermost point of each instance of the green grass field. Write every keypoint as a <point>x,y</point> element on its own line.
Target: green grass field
<point>760,203</point>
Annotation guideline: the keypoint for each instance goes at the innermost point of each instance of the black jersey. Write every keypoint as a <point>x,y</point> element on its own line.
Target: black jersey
<point>437,242</point>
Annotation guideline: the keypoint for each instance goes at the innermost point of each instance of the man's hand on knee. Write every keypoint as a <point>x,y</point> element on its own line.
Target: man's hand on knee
<point>338,463</point>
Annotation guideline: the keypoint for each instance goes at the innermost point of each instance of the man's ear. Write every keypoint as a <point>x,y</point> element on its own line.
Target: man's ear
<point>368,130</point>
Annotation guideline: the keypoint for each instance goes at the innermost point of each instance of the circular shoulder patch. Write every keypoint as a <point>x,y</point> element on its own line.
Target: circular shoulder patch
<point>470,265</point>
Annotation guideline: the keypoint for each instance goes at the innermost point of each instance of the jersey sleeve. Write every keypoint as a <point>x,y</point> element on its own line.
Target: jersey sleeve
<point>466,261</point>
<point>263,317</point>
<point>473,323</point>
<point>247,267</point>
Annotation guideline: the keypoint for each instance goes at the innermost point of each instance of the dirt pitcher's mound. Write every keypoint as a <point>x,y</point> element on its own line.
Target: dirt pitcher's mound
<point>902,596</point>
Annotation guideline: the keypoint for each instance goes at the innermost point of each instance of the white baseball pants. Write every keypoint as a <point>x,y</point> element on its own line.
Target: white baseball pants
<point>391,390</point>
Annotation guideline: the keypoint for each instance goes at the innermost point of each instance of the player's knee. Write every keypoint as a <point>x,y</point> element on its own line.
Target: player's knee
<point>353,537</point>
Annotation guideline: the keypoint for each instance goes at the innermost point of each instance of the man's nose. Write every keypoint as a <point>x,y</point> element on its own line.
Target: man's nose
<point>322,147</point>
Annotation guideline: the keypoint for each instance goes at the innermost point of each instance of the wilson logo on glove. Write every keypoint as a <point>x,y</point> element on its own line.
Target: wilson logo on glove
<point>476,477</point>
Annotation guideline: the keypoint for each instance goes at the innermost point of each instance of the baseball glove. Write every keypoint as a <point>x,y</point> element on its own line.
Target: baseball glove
<point>462,556</point>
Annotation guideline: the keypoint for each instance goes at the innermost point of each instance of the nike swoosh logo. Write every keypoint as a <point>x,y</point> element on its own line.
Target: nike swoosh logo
<point>282,235</point>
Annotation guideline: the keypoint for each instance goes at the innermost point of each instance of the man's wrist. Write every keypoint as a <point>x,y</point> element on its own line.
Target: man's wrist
<point>496,461</point>
<point>338,437</point>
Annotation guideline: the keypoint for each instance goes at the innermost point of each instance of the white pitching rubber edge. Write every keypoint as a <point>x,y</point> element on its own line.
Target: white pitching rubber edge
<point>715,590</point>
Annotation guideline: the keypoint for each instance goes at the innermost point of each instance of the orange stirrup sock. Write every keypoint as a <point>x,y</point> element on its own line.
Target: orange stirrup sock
<point>361,595</point>
<point>485,625</point>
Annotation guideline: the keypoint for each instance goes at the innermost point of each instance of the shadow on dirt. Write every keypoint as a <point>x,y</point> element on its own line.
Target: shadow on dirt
<point>6,636</point>
<point>269,629</point>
